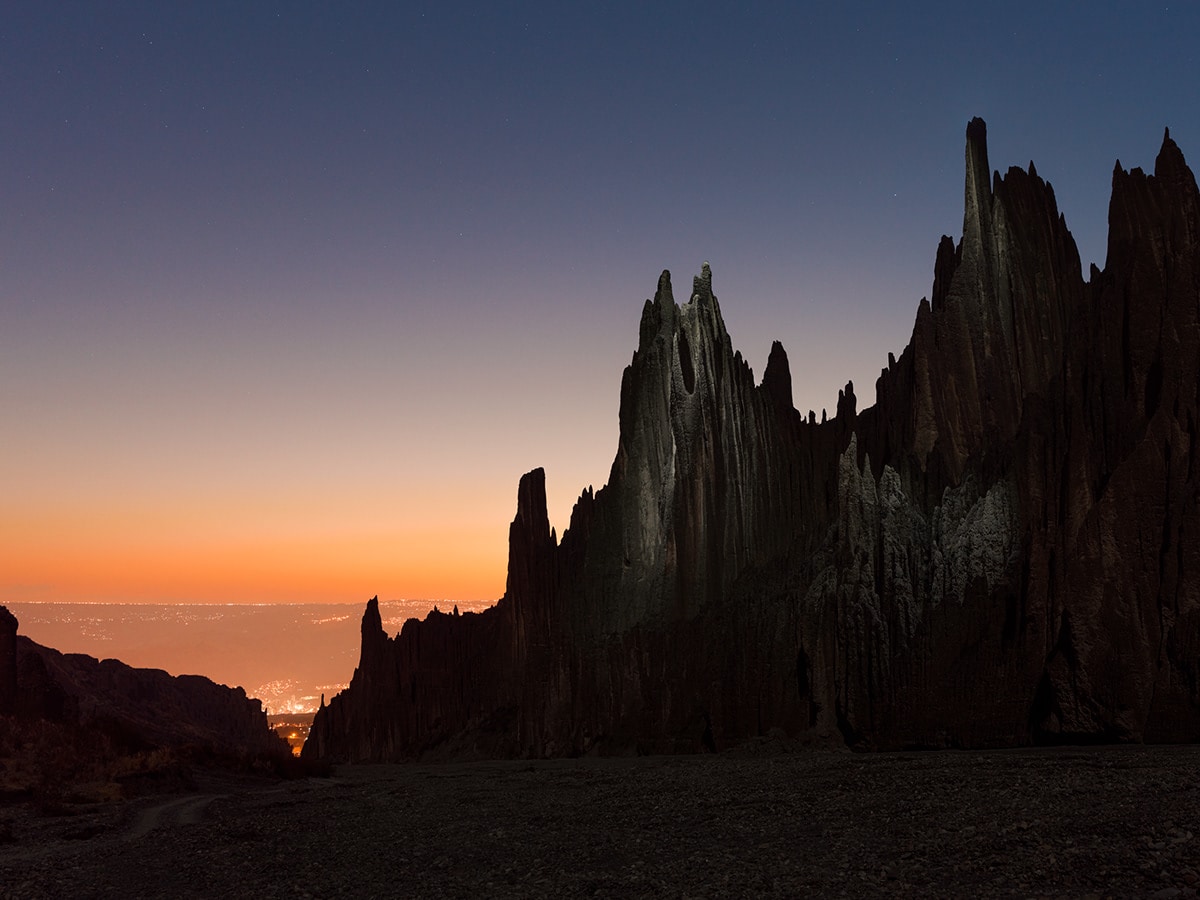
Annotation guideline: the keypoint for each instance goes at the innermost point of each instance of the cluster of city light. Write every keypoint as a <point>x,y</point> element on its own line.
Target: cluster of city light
<point>284,697</point>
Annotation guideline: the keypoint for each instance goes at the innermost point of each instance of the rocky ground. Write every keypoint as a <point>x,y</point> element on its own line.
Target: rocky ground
<point>1116,821</point>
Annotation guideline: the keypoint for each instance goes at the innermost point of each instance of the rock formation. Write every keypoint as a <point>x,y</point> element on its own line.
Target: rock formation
<point>1003,550</point>
<point>8,662</point>
<point>141,708</point>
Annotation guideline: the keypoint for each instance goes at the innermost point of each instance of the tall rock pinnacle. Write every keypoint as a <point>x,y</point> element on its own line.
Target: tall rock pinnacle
<point>777,378</point>
<point>977,200</point>
<point>8,662</point>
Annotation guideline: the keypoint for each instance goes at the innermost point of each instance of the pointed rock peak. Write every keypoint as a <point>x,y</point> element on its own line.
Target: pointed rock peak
<point>702,284</point>
<point>977,153</point>
<point>664,287</point>
<point>658,314</point>
<point>373,636</point>
<point>979,178</point>
<point>1170,164</point>
<point>531,503</point>
<point>777,378</point>
<point>944,266</point>
<point>977,133</point>
<point>1032,169</point>
<point>372,622</point>
<point>1168,150</point>
<point>847,407</point>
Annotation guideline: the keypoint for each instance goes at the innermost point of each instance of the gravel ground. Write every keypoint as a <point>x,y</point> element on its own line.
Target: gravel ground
<point>1071,822</point>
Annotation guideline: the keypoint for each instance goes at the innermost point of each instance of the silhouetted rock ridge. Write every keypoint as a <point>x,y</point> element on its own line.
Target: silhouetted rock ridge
<point>139,707</point>
<point>1004,549</point>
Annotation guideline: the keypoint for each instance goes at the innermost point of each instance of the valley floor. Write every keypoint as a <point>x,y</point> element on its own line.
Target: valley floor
<point>1068,822</point>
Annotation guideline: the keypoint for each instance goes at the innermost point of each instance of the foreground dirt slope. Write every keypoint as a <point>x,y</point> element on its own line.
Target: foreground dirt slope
<point>1066,822</point>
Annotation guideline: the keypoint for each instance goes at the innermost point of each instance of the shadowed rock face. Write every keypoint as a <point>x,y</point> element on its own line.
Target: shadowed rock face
<point>1004,549</point>
<point>144,707</point>
<point>8,662</point>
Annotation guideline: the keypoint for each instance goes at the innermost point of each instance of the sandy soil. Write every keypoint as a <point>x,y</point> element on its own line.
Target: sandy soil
<point>1121,822</point>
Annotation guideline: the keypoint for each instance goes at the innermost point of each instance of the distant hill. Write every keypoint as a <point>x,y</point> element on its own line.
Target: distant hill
<point>138,709</point>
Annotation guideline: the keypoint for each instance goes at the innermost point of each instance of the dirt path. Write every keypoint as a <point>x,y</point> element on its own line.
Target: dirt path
<point>169,811</point>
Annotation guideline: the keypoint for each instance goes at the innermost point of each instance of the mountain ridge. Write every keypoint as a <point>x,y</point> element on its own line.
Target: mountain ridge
<point>999,551</point>
<point>138,708</point>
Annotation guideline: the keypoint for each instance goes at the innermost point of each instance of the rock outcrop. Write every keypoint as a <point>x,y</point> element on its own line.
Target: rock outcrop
<point>8,662</point>
<point>1004,549</point>
<point>140,708</point>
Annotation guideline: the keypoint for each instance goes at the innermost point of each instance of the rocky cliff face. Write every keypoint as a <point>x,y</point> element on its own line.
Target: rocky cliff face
<point>141,707</point>
<point>1004,549</point>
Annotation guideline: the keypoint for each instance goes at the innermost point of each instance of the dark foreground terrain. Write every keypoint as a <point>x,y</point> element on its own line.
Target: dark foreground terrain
<point>1071,822</point>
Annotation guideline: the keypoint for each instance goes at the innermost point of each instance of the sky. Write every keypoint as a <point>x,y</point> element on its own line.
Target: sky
<point>292,294</point>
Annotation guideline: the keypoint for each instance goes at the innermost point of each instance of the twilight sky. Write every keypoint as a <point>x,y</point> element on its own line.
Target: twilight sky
<point>291,294</point>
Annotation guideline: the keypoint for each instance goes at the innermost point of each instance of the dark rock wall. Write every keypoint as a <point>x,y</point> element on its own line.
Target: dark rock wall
<point>420,689</point>
<point>8,662</point>
<point>1002,550</point>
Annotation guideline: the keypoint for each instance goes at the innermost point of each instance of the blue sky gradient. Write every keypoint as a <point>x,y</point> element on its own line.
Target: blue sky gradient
<point>279,279</point>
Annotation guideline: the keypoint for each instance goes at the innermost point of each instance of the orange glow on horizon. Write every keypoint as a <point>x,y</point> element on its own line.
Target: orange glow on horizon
<point>333,540</point>
<point>437,563</point>
<point>342,536</point>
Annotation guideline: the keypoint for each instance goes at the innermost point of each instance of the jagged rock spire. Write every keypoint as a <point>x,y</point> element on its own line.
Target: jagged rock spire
<point>702,284</point>
<point>373,636</point>
<point>777,377</point>
<point>978,188</point>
